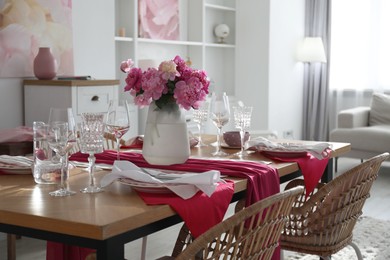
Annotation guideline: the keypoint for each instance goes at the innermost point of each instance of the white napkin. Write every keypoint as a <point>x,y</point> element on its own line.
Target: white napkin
<point>16,160</point>
<point>318,150</point>
<point>190,183</point>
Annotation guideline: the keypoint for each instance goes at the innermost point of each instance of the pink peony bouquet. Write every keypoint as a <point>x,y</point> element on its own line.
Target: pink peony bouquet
<point>173,81</point>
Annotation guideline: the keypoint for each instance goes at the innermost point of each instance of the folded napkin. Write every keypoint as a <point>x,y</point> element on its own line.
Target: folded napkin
<point>16,160</point>
<point>186,185</point>
<point>318,150</point>
<point>8,162</point>
<point>18,134</point>
<point>312,169</point>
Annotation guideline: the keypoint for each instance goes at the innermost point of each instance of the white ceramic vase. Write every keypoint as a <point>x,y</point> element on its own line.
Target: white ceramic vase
<point>166,136</point>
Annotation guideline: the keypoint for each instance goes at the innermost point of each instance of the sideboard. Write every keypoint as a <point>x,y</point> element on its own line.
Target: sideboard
<point>80,95</point>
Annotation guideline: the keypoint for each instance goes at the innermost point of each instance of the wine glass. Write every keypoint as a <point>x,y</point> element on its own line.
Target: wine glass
<point>118,120</point>
<point>58,140</point>
<point>220,115</point>
<point>200,116</point>
<point>91,142</point>
<point>242,121</point>
<point>65,115</point>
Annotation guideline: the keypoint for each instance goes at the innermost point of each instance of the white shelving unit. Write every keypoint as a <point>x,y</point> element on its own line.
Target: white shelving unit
<point>197,40</point>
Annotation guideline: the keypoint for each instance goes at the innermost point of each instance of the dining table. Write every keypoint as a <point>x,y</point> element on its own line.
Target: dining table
<point>108,220</point>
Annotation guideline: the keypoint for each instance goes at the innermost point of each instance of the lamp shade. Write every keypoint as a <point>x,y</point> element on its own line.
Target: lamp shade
<point>312,50</point>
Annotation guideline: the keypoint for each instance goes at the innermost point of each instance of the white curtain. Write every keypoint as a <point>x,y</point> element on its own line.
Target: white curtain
<point>316,75</point>
<point>360,57</point>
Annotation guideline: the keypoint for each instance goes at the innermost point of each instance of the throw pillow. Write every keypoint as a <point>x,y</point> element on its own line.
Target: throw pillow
<point>380,109</point>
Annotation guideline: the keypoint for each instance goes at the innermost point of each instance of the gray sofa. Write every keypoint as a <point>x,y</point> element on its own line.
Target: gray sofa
<point>366,128</point>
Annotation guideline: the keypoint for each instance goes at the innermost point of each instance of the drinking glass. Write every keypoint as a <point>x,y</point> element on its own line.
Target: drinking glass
<point>91,142</point>
<point>220,115</point>
<point>58,140</point>
<point>118,120</point>
<point>242,121</point>
<point>200,116</point>
<point>65,115</point>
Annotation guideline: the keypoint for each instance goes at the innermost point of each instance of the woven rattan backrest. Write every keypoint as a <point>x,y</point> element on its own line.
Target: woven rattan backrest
<point>329,214</point>
<point>245,235</point>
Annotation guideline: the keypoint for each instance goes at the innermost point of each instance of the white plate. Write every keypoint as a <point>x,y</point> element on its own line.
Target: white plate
<point>15,169</point>
<point>224,145</point>
<point>147,186</point>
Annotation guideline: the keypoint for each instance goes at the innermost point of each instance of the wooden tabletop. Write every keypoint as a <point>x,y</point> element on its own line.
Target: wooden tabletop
<point>97,216</point>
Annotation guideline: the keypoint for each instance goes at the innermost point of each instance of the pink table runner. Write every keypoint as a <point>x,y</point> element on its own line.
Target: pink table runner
<point>263,181</point>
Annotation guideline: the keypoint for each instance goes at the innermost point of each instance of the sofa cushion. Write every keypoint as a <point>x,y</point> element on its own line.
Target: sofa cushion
<point>372,138</point>
<point>380,109</point>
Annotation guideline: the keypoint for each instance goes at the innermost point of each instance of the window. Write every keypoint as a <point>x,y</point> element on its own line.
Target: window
<point>360,45</point>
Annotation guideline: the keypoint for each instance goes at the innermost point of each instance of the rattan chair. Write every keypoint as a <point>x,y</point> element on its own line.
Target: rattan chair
<point>244,235</point>
<point>322,224</point>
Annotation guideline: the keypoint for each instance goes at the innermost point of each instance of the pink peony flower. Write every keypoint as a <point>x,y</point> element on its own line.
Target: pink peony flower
<point>168,70</point>
<point>126,65</point>
<point>133,80</point>
<point>173,81</point>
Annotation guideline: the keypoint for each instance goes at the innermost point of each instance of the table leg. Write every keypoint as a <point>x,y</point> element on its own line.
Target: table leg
<point>11,245</point>
<point>328,174</point>
<point>110,250</point>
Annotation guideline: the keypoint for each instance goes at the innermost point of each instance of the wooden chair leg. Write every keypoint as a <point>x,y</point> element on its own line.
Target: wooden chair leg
<point>11,247</point>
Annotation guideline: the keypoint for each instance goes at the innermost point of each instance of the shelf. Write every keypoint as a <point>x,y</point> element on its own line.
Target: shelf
<point>220,7</point>
<point>146,40</point>
<point>123,39</point>
<point>197,41</point>
<point>220,45</point>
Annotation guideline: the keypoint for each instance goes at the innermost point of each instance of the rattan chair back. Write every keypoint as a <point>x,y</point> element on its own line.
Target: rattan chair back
<point>322,223</point>
<point>244,235</point>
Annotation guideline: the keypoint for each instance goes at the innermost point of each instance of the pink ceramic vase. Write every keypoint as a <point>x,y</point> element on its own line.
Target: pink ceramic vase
<point>44,64</point>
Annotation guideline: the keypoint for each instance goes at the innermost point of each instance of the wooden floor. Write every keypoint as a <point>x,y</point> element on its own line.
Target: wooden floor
<point>161,243</point>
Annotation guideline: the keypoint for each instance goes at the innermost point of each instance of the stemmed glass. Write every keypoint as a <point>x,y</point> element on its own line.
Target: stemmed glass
<point>200,116</point>
<point>242,121</point>
<point>91,142</point>
<point>118,120</point>
<point>58,141</point>
<point>220,115</point>
<point>65,115</point>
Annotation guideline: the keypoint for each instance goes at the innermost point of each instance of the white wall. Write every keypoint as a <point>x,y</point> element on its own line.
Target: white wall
<point>270,79</point>
<point>285,72</point>
<point>93,42</point>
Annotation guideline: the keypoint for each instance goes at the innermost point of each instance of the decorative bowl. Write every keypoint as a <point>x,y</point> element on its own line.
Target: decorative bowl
<point>233,139</point>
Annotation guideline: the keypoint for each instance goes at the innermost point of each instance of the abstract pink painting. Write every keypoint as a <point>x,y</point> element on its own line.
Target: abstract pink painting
<point>159,19</point>
<point>27,25</point>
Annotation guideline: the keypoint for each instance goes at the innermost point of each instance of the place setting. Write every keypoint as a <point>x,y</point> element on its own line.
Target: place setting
<point>183,184</point>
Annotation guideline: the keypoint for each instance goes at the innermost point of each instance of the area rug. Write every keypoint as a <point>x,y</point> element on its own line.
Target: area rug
<point>371,235</point>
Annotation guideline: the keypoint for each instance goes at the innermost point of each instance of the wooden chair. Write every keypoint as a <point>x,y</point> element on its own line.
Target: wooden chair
<point>322,224</point>
<point>244,235</point>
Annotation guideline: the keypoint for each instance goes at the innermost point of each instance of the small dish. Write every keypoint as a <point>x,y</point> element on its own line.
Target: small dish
<point>233,138</point>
